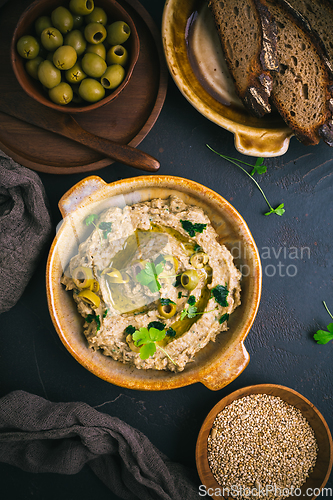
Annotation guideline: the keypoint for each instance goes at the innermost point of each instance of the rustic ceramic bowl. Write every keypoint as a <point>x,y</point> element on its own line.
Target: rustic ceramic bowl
<point>319,476</point>
<point>194,56</point>
<point>33,88</point>
<point>219,362</point>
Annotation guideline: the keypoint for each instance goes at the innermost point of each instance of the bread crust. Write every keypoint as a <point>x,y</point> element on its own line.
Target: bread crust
<point>252,75</point>
<point>302,91</point>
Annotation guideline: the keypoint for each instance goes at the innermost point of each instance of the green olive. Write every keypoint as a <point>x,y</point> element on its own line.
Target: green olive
<point>113,76</point>
<point>28,47</point>
<point>51,39</point>
<point>75,74</point>
<point>98,48</point>
<point>82,276</point>
<point>131,344</point>
<point>90,298</point>
<point>93,65</point>
<point>98,15</point>
<point>113,275</point>
<point>118,33</point>
<point>61,94</point>
<point>208,272</point>
<point>48,74</point>
<point>42,23</point>
<point>81,7</point>
<point>76,40</point>
<point>77,21</point>
<point>31,66</point>
<point>62,19</point>
<point>199,260</point>
<point>94,287</point>
<point>91,90</point>
<point>167,311</point>
<point>65,57</point>
<point>117,54</point>
<point>95,33</point>
<point>189,279</point>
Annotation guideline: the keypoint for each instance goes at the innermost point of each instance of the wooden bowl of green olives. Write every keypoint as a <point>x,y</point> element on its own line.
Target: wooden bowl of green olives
<point>74,56</point>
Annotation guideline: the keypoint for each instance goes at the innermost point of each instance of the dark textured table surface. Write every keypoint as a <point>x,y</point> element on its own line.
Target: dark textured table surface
<point>296,251</point>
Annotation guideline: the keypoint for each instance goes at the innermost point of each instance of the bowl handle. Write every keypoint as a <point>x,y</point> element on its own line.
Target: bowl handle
<point>74,196</point>
<point>263,142</point>
<point>228,370</point>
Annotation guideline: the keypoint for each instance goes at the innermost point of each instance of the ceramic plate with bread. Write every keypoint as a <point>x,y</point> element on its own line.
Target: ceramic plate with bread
<point>259,68</point>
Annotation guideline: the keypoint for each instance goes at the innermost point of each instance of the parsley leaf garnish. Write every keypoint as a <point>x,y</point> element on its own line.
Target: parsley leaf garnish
<point>224,318</point>
<point>258,167</point>
<point>156,324</point>
<point>192,228</point>
<point>191,300</point>
<point>171,332</point>
<point>148,276</point>
<point>220,294</point>
<point>92,317</point>
<point>146,339</point>
<point>106,227</point>
<point>90,219</point>
<point>166,302</point>
<point>323,336</point>
<point>191,311</point>
<point>130,329</point>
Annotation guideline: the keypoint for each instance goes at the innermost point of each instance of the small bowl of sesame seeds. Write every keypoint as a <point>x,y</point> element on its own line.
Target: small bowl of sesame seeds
<point>264,441</point>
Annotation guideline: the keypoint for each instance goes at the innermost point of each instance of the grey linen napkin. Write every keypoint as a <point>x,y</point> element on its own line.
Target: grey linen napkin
<point>25,227</point>
<point>41,436</point>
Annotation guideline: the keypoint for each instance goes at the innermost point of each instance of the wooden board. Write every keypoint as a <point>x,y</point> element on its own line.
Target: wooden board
<point>127,120</point>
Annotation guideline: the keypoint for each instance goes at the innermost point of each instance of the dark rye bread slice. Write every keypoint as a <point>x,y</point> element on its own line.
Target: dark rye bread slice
<point>319,15</point>
<point>247,35</point>
<point>302,87</point>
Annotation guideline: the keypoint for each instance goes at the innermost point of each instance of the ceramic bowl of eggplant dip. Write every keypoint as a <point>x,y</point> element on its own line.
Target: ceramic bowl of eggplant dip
<point>146,283</point>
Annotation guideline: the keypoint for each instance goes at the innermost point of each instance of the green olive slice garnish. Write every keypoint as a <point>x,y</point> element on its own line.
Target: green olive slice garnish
<point>82,277</point>
<point>94,286</point>
<point>171,265</point>
<point>189,279</point>
<point>131,344</point>
<point>115,276</point>
<point>199,260</point>
<point>90,298</point>
<point>167,310</point>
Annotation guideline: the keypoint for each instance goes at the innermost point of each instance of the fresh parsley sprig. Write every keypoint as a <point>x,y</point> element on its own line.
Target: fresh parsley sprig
<point>146,339</point>
<point>192,228</point>
<point>148,276</point>
<point>105,227</point>
<point>220,294</point>
<point>323,336</point>
<point>191,310</point>
<point>260,168</point>
<point>94,317</point>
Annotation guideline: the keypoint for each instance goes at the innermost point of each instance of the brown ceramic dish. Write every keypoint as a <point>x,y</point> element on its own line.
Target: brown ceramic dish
<point>194,57</point>
<point>219,362</point>
<point>323,467</point>
<point>33,88</point>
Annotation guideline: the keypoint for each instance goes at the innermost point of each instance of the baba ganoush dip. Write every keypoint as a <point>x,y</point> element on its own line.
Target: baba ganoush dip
<point>153,283</point>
